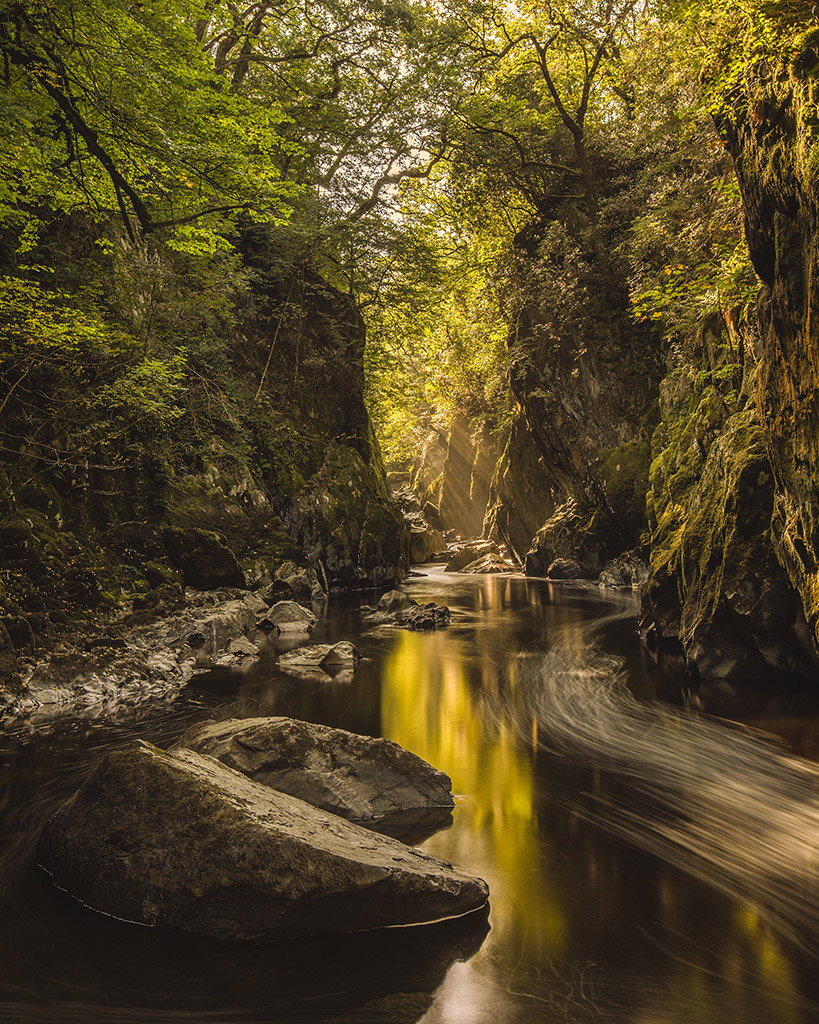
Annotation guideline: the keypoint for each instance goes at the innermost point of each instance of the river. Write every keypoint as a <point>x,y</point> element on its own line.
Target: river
<point>648,863</point>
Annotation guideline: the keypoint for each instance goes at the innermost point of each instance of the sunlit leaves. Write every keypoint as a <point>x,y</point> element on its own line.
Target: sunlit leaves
<point>115,107</point>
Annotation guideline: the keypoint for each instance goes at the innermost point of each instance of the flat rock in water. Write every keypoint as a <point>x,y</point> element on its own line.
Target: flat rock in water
<point>368,780</point>
<point>320,659</point>
<point>242,862</point>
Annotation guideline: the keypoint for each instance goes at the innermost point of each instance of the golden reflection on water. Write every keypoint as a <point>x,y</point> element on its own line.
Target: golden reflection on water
<point>431,698</point>
<point>439,698</point>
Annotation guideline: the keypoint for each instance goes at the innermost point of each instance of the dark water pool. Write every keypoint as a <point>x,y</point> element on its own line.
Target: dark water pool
<point>646,864</point>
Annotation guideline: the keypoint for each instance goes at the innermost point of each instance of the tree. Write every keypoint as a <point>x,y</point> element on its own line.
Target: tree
<point>544,66</point>
<point>110,105</point>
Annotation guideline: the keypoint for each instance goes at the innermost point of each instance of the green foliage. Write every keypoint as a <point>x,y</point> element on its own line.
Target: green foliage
<point>111,106</point>
<point>36,322</point>
<point>436,343</point>
<point>148,389</point>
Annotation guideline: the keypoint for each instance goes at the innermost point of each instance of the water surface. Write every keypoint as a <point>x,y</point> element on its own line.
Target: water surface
<point>647,864</point>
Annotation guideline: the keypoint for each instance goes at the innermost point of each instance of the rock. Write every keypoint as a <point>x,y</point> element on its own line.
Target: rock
<point>425,544</point>
<point>204,560</point>
<point>278,590</point>
<point>469,553</point>
<point>9,669</point>
<point>244,862</point>
<point>321,660</point>
<point>566,569</point>
<point>155,659</point>
<point>301,586</point>
<point>370,781</point>
<point>241,645</point>
<point>162,598</point>
<point>342,655</point>
<point>431,515</point>
<point>627,571</point>
<point>158,574</point>
<point>406,499</point>
<point>394,601</point>
<point>290,617</point>
<point>344,519</point>
<point>425,616</point>
<point>488,564</point>
<point>775,154</point>
<point>520,497</point>
<point>716,584</point>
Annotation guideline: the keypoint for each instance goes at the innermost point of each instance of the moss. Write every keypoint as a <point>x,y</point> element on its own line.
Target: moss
<point>805,61</point>
<point>715,582</point>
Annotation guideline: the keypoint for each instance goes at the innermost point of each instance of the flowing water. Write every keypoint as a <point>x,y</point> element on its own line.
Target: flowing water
<point>648,863</point>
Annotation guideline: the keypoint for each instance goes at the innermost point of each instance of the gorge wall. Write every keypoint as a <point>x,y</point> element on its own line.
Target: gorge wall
<point>697,451</point>
<point>267,454</point>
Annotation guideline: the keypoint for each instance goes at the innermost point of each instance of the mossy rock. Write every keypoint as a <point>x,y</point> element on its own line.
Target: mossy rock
<point>158,574</point>
<point>165,596</point>
<point>9,669</point>
<point>805,62</point>
<point>347,523</point>
<point>206,562</point>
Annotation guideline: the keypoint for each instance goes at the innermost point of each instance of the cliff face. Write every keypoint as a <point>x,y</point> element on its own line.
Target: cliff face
<point>267,454</point>
<point>772,129</point>
<point>520,498</point>
<point>319,458</point>
<point>715,585</point>
<point>585,377</point>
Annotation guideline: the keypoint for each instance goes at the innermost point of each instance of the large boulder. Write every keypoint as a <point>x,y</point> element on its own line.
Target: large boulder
<point>489,564</point>
<point>243,861</point>
<point>204,560</point>
<point>394,601</point>
<point>368,780</point>
<point>566,569</point>
<point>471,551</point>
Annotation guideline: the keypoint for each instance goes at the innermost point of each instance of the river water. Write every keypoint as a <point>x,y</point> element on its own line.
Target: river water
<point>648,863</point>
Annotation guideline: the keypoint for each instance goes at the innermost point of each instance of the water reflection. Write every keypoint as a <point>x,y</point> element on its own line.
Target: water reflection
<point>615,892</point>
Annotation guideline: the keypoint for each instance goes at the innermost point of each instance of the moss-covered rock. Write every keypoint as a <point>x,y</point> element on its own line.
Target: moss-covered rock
<point>715,584</point>
<point>9,669</point>
<point>585,375</point>
<point>521,497</point>
<point>715,580</point>
<point>346,522</point>
<point>604,522</point>
<point>206,562</point>
<point>257,441</point>
<point>771,125</point>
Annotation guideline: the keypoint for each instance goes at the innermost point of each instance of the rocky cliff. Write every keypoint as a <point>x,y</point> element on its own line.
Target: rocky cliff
<point>771,125</point>
<point>584,375</point>
<point>716,588</point>
<point>734,491</point>
<point>260,449</point>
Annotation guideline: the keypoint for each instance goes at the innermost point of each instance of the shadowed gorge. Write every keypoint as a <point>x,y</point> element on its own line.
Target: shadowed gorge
<point>409,570</point>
